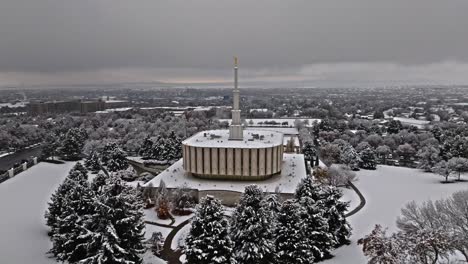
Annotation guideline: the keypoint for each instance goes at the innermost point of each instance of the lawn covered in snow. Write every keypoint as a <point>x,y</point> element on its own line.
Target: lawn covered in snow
<point>23,201</point>
<point>387,190</point>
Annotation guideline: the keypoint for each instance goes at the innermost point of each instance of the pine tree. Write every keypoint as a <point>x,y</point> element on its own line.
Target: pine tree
<point>315,224</point>
<point>350,157</point>
<point>68,241</point>
<point>251,229</point>
<point>368,159</point>
<point>72,144</point>
<point>98,182</point>
<point>116,161</point>
<point>50,146</point>
<point>146,148</point>
<point>107,151</point>
<point>309,151</point>
<point>92,162</point>
<point>208,240</point>
<point>335,211</point>
<point>291,241</point>
<point>116,233</point>
<point>58,199</point>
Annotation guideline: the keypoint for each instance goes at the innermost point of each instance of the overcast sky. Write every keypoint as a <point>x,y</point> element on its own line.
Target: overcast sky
<point>93,41</point>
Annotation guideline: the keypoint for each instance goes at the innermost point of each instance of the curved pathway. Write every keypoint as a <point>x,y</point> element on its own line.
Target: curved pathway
<point>167,253</point>
<point>362,199</point>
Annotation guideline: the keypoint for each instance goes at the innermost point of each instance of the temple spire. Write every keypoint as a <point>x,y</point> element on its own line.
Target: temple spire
<point>235,130</point>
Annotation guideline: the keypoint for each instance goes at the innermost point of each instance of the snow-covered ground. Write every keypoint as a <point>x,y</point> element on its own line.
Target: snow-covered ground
<point>349,195</point>
<point>292,173</point>
<point>23,201</point>
<point>387,190</point>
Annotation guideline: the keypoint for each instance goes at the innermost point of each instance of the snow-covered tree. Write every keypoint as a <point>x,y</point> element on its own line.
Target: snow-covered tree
<point>146,148</point>
<point>315,224</point>
<point>443,169</point>
<point>99,181</point>
<point>116,161</point>
<point>116,233</point>
<point>309,151</point>
<point>382,249</point>
<point>368,159</point>
<point>129,174</point>
<point>69,241</point>
<point>58,200</point>
<point>182,200</point>
<point>335,211</point>
<point>50,147</point>
<point>208,240</point>
<point>428,156</point>
<point>291,240</point>
<point>93,163</point>
<point>458,165</point>
<point>338,175</point>
<point>406,151</point>
<point>383,151</point>
<point>251,229</point>
<point>156,243</point>
<point>72,144</point>
<point>350,157</point>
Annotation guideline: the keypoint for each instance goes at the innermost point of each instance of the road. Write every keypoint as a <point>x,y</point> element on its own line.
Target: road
<point>8,161</point>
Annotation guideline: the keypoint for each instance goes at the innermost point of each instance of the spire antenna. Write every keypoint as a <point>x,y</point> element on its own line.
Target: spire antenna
<point>236,130</point>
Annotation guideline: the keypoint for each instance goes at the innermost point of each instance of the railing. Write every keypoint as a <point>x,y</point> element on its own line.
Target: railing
<point>18,169</point>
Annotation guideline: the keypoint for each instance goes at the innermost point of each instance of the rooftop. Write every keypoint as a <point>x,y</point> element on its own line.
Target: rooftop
<point>220,139</point>
<point>293,170</point>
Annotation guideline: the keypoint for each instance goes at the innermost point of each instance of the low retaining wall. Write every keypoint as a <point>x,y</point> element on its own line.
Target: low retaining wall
<point>16,170</point>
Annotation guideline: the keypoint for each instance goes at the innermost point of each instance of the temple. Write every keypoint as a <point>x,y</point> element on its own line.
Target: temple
<point>222,162</point>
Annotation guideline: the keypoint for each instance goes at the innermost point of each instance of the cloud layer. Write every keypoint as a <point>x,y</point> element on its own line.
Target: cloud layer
<point>169,40</point>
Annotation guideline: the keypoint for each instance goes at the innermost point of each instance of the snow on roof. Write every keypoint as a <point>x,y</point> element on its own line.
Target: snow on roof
<point>220,139</point>
<point>293,170</point>
<point>284,130</point>
<point>279,122</point>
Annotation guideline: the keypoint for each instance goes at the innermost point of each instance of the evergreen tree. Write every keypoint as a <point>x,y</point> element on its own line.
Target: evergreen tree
<point>309,151</point>
<point>116,161</point>
<point>98,182</point>
<point>116,232</point>
<point>208,240</point>
<point>335,211</point>
<point>107,151</point>
<point>69,240</point>
<point>314,221</point>
<point>251,229</point>
<point>146,148</point>
<point>58,200</point>
<point>92,162</point>
<point>72,144</point>
<point>368,159</point>
<point>350,157</point>
<point>291,241</point>
<point>50,147</point>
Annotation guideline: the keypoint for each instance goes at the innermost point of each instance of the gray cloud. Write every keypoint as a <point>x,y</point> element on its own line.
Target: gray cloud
<point>56,38</point>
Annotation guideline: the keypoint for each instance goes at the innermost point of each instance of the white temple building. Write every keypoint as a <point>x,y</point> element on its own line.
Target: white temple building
<point>223,162</point>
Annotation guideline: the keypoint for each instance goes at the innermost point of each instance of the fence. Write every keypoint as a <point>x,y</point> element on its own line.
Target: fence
<point>18,169</point>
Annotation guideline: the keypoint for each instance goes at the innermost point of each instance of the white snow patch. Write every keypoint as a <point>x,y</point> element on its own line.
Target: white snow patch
<point>387,190</point>
<point>179,238</point>
<point>349,195</point>
<point>23,201</point>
